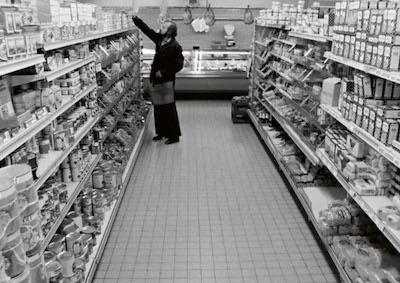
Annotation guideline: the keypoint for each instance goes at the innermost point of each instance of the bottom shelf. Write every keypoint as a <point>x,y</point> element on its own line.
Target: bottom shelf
<point>313,199</point>
<point>110,215</point>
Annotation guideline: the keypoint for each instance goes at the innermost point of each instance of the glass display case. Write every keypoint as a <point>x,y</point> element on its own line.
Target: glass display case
<point>208,71</point>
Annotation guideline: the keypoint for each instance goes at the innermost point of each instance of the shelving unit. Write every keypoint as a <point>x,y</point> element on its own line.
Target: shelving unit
<point>369,204</point>
<point>19,64</point>
<point>289,129</point>
<point>116,78</point>
<point>288,60</point>
<point>392,76</point>
<point>52,75</point>
<point>110,215</point>
<point>73,189</point>
<point>310,36</point>
<point>65,43</point>
<point>304,195</point>
<point>23,136</point>
<point>388,152</point>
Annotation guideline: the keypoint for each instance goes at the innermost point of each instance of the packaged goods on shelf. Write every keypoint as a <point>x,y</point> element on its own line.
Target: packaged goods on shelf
<point>367,34</point>
<point>297,18</point>
<point>21,234</point>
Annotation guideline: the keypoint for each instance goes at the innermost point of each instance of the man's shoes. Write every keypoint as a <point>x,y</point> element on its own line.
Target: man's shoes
<point>172,140</point>
<point>157,138</point>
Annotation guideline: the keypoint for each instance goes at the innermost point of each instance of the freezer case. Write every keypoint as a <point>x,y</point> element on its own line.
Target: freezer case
<point>208,72</point>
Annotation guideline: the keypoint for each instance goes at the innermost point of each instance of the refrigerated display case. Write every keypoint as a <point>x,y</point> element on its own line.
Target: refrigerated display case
<point>208,71</point>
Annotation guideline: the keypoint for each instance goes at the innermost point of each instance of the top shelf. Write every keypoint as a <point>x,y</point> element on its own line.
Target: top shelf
<point>388,75</point>
<point>310,36</point>
<point>64,43</point>
<point>19,64</point>
<point>275,26</point>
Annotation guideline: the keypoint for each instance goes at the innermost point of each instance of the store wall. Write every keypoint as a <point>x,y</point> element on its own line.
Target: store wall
<point>180,3</point>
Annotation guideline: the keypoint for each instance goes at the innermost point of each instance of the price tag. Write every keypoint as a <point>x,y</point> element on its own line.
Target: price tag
<point>397,162</point>
<point>98,67</point>
<point>389,156</point>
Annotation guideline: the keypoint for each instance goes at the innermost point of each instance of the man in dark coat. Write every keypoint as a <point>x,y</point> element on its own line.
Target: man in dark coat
<point>167,61</point>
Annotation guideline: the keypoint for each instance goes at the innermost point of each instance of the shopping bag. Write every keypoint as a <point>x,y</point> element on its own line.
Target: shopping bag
<point>248,16</point>
<point>187,16</point>
<point>162,94</point>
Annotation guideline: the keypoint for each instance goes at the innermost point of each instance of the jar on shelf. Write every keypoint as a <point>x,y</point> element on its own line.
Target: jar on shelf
<point>37,269</point>
<point>54,272</point>
<point>14,256</point>
<point>9,216</point>
<point>74,244</point>
<point>66,259</point>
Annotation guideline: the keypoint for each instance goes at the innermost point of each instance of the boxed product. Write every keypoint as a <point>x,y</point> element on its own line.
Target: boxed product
<point>355,146</point>
<point>331,91</point>
<point>7,114</point>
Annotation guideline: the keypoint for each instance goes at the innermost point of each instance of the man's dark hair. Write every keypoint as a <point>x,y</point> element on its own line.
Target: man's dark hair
<point>172,31</point>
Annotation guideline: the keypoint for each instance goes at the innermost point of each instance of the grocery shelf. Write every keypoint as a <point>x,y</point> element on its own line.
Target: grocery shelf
<point>389,153</point>
<point>51,75</point>
<point>310,36</point>
<point>111,59</point>
<point>22,137</point>
<point>116,78</point>
<point>284,41</point>
<point>64,43</point>
<point>261,74</point>
<point>283,75</point>
<point>296,105</point>
<point>387,75</point>
<point>288,60</point>
<point>298,140</point>
<point>73,189</point>
<point>369,204</point>
<point>275,26</point>
<point>263,44</point>
<point>260,58</point>
<point>110,215</point>
<point>49,164</point>
<point>260,86</point>
<point>300,193</point>
<point>115,101</point>
<point>19,64</point>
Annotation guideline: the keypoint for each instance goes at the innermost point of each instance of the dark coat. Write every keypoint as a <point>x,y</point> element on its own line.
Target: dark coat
<point>168,58</point>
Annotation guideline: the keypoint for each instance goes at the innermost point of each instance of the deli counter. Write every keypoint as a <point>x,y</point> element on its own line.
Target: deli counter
<point>208,72</point>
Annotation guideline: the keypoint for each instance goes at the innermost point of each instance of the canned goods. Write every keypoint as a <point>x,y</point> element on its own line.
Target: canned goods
<point>74,244</point>
<point>14,253</point>
<point>91,231</point>
<point>44,146</point>
<point>67,261</point>
<point>77,218</point>
<point>8,206</point>
<point>49,256</point>
<point>75,174</point>
<point>54,272</point>
<point>37,269</point>
<point>77,205</point>
<point>110,178</point>
<point>67,177</point>
<point>97,179</point>
<point>56,247</point>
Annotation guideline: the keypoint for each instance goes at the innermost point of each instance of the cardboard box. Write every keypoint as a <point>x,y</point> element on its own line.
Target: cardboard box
<point>372,120</point>
<point>389,112</point>
<point>388,90</point>
<point>395,58</point>
<point>365,121</point>
<point>330,91</point>
<point>378,88</point>
<point>390,131</point>
<point>355,146</point>
<point>378,128</point>
<point>396,91</point>
<point>8,118</point>
<point>367,86</point>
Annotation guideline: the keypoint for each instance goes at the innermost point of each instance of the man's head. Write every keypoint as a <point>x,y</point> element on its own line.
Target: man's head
<point>169,28</point>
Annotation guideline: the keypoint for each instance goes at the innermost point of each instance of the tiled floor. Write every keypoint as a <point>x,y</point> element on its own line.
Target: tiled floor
<point>212,208</point>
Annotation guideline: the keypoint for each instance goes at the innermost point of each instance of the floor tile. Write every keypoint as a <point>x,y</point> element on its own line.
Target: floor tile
<point>210,209</point>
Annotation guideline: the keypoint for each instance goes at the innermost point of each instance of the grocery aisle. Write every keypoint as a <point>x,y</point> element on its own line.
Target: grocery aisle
<point>212,208</point>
